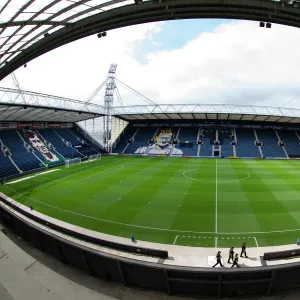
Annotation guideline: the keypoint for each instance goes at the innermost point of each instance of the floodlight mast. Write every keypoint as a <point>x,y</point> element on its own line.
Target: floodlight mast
<point>108,103</point>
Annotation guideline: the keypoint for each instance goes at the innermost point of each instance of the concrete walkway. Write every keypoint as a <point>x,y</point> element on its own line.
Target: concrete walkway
<point>23,277</point>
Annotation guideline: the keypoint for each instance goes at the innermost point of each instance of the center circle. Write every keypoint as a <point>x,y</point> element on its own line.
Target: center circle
<point>222,175</point>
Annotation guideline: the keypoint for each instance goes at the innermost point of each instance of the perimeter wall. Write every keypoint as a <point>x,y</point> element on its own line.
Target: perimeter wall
<point>175,280</point>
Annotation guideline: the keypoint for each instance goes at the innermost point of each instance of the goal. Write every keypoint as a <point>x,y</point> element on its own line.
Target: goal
<point>72,162</point>
<point>94,157</point>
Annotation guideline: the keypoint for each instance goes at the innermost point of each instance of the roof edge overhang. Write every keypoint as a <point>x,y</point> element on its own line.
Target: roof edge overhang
<point>207,112</point>
<point>153,11</point>
<point>15,97</point>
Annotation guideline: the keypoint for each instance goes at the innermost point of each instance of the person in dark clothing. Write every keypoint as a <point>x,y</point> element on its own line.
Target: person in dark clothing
<point>231,252</point>
<point>218,257</point>
<point>235,261</point>
<point>244,250</point>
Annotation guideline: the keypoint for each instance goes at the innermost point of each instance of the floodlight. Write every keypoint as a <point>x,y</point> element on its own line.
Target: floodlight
<point>268,25</point>
<point>261,24</point>
<point>99,35</point>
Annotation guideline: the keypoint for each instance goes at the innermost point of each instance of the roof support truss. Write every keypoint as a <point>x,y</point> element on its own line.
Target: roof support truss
<point>79,24</point>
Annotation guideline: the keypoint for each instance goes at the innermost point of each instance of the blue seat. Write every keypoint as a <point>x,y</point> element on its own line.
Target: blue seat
<point>226,146</point>
<point>270,147</point>
<point>75,139</point>
<point>246,143</point>
<point>66,151</point>
<point>188,135</point>
<point>25,160</point>
<point>207,139</point>
<point>123,138</point>
<point>292,142</point>
<point>6,166</point>
<point>141,139</point>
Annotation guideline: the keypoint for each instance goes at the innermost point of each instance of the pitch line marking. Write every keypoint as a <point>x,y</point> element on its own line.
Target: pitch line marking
<point>146,227</point>
<point>216,239</point>
<point>103,171</point>
<point>86,167</point>
<point>226,181</point>
<point>174,243</point>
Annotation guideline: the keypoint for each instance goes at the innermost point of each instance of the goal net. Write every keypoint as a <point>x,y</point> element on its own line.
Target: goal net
<point>94,157</point>
<point>72,162</point>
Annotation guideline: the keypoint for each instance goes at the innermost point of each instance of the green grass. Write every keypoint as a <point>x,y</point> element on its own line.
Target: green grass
<point>157,199</point>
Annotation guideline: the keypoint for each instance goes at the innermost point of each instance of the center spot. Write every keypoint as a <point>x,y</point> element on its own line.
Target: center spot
<point>222,175</point>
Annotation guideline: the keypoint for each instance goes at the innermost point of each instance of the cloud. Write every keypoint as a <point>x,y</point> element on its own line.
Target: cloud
<point>237,62</point>
<point>75,70</point>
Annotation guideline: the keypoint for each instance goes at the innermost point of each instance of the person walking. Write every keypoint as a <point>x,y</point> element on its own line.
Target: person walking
<point>218,257</point>
<point>235,261</point>
<point>231,252</point>
<point>244,250</point>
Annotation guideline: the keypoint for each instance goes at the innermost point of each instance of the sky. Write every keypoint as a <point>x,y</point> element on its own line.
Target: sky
<point>184,61</point>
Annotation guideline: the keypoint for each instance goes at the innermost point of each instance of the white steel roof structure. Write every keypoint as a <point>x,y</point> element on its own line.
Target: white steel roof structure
<point>30,28</point>
<point>19,105</point>
<point>208,112</point>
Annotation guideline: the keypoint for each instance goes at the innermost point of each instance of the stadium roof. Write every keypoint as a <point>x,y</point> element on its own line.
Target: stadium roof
<point>30,28</point>
<point>208,112</point>
<point>18,105</point>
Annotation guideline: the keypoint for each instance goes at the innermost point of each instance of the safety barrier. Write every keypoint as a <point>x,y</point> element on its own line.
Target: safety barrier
<point>169,279</point>
<point>88,238</point>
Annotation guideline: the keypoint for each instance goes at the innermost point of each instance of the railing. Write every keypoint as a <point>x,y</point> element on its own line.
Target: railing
<point>88,238</point>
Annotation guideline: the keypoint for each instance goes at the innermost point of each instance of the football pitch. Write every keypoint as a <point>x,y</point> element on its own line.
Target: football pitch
<point>182,201</point>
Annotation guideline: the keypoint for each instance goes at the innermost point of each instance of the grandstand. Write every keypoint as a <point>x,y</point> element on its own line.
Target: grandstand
<point>29,146</point>
<point>250,143</point>
<point>46,140</point>
<point>28,150</point>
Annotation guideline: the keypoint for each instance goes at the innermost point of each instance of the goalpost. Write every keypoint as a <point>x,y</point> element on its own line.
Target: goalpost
<point>72,162</point>
<point>94,157</point>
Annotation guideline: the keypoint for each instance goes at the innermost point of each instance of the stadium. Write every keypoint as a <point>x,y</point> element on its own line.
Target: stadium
<point>145,195</point>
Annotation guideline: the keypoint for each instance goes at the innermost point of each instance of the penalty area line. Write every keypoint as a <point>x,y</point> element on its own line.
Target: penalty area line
<point>120,167</point>
<point>174,243</point>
